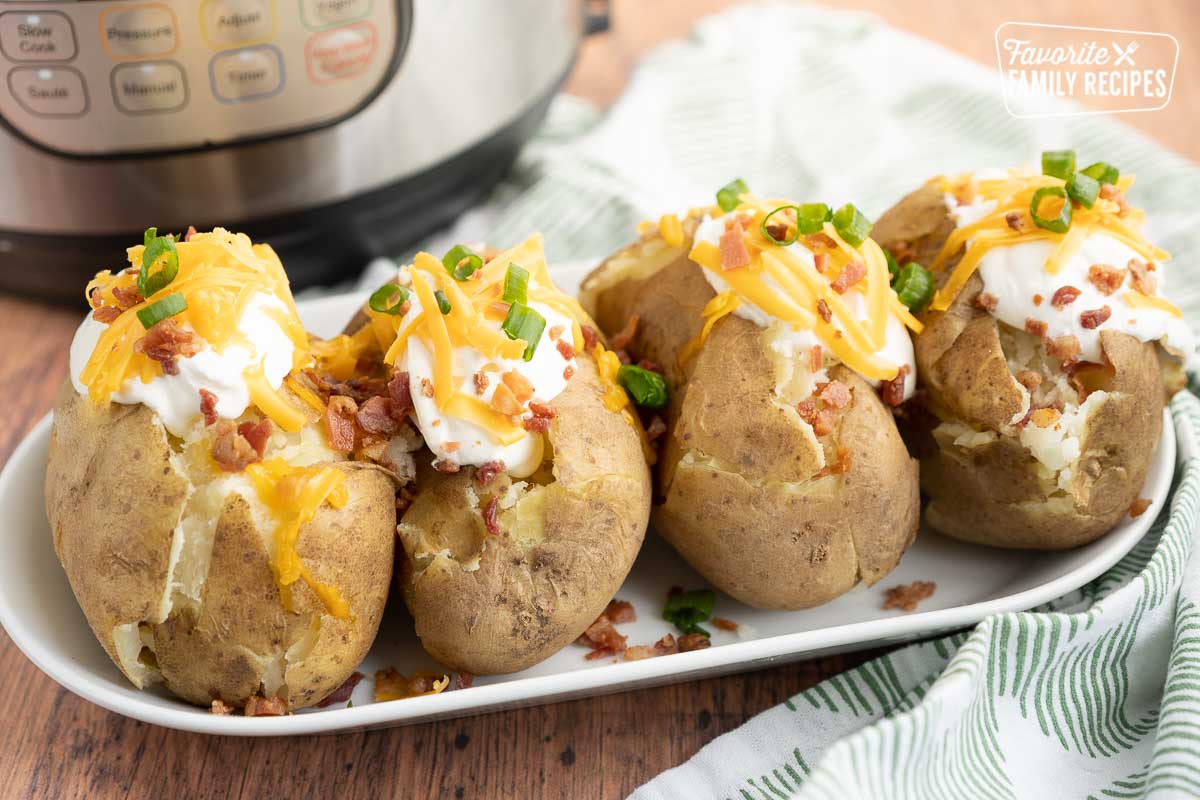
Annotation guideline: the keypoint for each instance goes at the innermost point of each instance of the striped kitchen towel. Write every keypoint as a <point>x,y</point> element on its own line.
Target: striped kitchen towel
<point>1096,695</point>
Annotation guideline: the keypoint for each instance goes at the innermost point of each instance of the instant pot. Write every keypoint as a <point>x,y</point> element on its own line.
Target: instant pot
<point>335,130</point>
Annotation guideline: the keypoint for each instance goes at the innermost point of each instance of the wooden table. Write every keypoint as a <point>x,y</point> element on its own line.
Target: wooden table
<point>56,745</point>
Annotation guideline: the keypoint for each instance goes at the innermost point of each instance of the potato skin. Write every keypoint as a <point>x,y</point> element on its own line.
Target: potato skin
<point>564,551</point>
<point>734,492</point>
<point>991,494</point>
<point>114,497</point>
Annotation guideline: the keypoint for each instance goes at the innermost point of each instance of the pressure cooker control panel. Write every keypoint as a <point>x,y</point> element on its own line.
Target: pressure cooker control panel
<point>112,77</point>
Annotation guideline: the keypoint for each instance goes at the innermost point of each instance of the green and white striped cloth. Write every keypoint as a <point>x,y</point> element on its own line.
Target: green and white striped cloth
<point>1096,695</point>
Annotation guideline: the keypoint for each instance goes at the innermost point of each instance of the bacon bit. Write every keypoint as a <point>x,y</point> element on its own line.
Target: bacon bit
<point>490,512</point>
<point>734,254</point>
<point>1110,192</point>
<point>1045,417</point>
<point>650,366</point>
<point>404,499</point>
<point>816,358</point>
<point>191,231</point>
<point>623,357</point>
<point>231,450</point>
<point>1064,296</point>
<point>208,406</point>
<point>481,382</point>
<point>778,232</point>
<point>835,394</point>
<point>165,342</point>
<point>339,422</point>
<point>906,598</point>
<point>568,371</point>
<point>1038,299</point>
<point>565,349</point>
<point>1141,280</point>
<point>463,680</point>
<point>486,473</point>
<point>1016,221</point>
<point>1035,327</point>
<point>852,273</point>
<point>556,331</point>
<point>823,424</point>
<point>903,252</point>
<point>519,385</point>
<point>391,685</point>
<point>106,314</point>
<point>1106,278</point>
<point>589,337</point>
<point>504,401</point>
<point>823,310</point>
<point>693,641</point>
<point>845,460</point>
<point>820,261</point>
<point>427,387</point>
<point>892,392</point>
<point>540,421</point>
<point>655,428</point>
<point>1139,507</point>
<point>257,434</point>
<point>623,338</point>
<point>1095,318</point>
<point>820,240</point>
<point>343,692</point>
<point>663,647</point>
<point>620,611</point>
<point>601,635</point>
<point>722,624</point>
<point>1025,419</point>
<point>126,297</point>
<point>1065,348</point>
<point>259,706</point>
<point>375,416</point>
<point>1029,379</point>
<point>220,708</point>
<point>987,301</point>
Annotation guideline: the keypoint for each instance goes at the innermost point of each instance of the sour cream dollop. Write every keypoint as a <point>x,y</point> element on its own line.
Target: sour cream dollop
<point>176,398</point>
<point>797,343</point>
<point>1015,273</point>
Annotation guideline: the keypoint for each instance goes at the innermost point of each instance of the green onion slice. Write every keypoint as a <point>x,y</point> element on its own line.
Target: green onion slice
<point>728,196</point>
<point>160,251</point>
<point>462,262</point>
<point>686,610</point>
<point>811,217</point>
<point>893,265</point>
<point>150,235</point>
<point>388,299</point>
<point>1058,224</point>
<point>522,322</point>
<point>161,309</point>
<point>1083,189</point>
<point>914,286</point>
<point>1103,172</point>
<point>783,221</point>
<point>647,388</point>
<point>442,301</point>
<point>851,225</point>
<point>516,284</point>
<point>1058,163</point>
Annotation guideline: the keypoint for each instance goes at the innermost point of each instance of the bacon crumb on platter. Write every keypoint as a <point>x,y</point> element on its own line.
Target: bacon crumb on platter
<point>906,597</point>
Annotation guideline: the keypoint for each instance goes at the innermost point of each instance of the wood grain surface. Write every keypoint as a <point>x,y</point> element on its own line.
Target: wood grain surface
<point>54,745</point>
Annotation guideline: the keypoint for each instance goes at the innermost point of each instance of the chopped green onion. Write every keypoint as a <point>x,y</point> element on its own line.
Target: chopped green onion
<point>851,225</point>
<point>150,235</point>
<point>728,196</point>
<point>522,322</point>
<point>1058,163</point>
<point>811,217</point>
<point>914,286</point>
<point>388,299</point>
<point>1058,224</point>
<point>516,284</point>
<point>160,309</point>
<point>686,610</point>
<point>1103,172</point>
<point>454,260</point>
<point>159,250</point>
<point>646,387</point>
<point>764,225</point>
<point>442,301</point>
<point>893,265</point>
<point>1083,189</point>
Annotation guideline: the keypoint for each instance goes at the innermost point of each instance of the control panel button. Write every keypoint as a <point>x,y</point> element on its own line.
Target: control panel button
<point>340,53</point>
<point>252,73</point>
<point>36,36</point>
<point>228,23</point>
<point>49,91</point>
<point>139,31</point>
<point>149,87</point>
<point>323,13</point>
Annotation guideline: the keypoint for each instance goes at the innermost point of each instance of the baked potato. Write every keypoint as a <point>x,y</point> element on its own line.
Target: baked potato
<point>1044,355</point>
<point>213,538</point>
<point>532,493</point>
<point>781,476</point>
